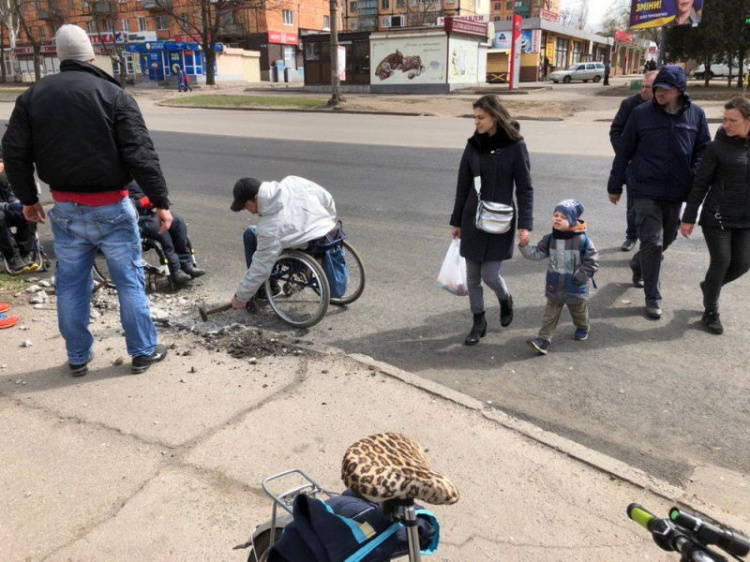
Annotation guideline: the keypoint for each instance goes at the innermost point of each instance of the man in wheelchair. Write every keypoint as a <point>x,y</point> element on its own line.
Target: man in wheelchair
<point>292,213</point>
<point>17,248</point>
<point>174,242</point>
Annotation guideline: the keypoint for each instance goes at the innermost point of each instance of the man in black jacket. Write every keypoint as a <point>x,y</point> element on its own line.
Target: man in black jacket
<point>87,139</point>
<point>665,140</point>
<point>615,132</point>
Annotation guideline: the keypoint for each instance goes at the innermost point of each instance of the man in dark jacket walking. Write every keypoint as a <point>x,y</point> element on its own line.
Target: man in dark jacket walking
<point>87,139</point>
<point>615,132</point>
<point>665,140</point>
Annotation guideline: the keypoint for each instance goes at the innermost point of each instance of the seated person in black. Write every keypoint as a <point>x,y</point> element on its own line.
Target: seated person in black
<point>174,242</point>
<point>16,248</point>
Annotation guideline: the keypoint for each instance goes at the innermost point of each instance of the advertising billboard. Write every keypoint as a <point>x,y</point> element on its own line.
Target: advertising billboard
<point>412,60</point>
<point>660,13</point>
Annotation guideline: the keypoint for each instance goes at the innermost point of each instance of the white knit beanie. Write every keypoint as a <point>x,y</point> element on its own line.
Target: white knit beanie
<point>73,44</point>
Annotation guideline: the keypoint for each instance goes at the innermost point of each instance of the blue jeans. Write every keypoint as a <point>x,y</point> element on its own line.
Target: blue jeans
<point>250,240</point>
<point>79,231</point>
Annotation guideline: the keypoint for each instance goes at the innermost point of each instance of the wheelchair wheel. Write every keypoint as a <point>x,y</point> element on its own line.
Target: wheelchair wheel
<point>302,291</point>
<point>262,545</point>
<point>356,285</point>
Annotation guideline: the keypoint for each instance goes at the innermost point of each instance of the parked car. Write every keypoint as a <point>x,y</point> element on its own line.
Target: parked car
<point>583,71</point>
<point>718,70</point>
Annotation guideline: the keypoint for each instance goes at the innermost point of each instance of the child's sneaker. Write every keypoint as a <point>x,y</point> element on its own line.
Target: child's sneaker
<point>581,334</point>
<point>4,307</point>
<point>8,321</point>
<point>540,345</point>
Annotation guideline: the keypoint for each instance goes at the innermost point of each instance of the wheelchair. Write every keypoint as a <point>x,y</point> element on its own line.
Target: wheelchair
<point>40,260</point>
<point>156,265</point>
<point>298,290</point>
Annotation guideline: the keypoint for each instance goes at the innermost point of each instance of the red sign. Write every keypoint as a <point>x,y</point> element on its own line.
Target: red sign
<point>623,37</point>
<point>467,27</point>
<point>29,50</point>
<point>550,16</point>
<point>515,53</point>
<point>188,39</point>
<point>283,38</point>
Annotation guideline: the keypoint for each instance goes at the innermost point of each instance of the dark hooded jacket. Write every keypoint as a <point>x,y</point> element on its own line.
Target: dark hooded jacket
<point>84,134</point>
<point>506,178</point>
<point>722,185</point>
<point>664,150</point>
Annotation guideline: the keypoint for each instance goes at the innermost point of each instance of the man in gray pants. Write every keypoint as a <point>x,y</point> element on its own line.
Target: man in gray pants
<point>664,142</point>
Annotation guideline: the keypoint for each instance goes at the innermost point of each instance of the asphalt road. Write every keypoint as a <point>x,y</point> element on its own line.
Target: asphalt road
<point>663,396</point>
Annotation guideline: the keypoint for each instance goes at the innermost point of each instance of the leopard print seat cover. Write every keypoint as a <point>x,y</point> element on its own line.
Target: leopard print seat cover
<point>390,466</point>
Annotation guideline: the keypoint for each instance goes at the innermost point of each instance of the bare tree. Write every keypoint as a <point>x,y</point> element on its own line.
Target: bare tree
<point>423,12</point>
<point>336,97</point>
<point>22,12</point>
<point>11,24</point>
<point>205,19</point>
<point>105,19</point>
<point>576,16</point>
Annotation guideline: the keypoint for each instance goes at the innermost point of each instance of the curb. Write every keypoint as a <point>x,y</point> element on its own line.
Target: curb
<point>293,110</point>
<point>594,459</point>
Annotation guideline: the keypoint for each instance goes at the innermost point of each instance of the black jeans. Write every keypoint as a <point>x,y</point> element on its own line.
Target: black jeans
<point>730,260</point>
<point>631,233</point>
<point>174,241</point>
<point>658,224</point>
<point>11,214</point>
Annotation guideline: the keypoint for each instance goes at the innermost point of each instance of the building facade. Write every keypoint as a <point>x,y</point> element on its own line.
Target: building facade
<point>385,15</point>
<point>139,30</point>
<point>503,10</point>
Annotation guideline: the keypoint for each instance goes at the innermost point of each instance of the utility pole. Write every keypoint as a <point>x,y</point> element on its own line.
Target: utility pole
<point>336,99</point>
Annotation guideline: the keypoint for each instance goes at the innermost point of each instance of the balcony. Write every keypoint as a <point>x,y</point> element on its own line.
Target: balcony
<point>102,9</point>
<point>156,5</point>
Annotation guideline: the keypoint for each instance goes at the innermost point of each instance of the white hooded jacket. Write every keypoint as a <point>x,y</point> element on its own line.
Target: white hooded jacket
<point>292,213</point>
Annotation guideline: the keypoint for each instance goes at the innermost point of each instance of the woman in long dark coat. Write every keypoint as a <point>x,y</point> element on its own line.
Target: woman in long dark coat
<point>506,178</point>
<point>723,187</point>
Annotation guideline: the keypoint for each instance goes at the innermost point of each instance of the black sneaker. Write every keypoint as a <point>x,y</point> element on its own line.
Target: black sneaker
<point>628,245</point>
<point>506,311</point>
<point>16,264</point>
<point>179,277</point>
<point>141,363</point>
<point>712,323</point>
<point>638,280</point>
<point>80,369</point>
<point>194,272</point>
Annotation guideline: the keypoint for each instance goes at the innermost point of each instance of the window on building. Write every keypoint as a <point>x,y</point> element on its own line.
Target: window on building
<point>162,23</point>
<point>312,51</point>
<point>126,25</point>
<point>89,27</point>
<point>290,56</point>
<point>288,17</point>
<point>354,6</point>
<point>402,3</point>
<point>109,25</point>
<point>43,33</point>
<point>385,4</point>
<point>326,22</point>
<point>561,53</point>
<point>142,26</point>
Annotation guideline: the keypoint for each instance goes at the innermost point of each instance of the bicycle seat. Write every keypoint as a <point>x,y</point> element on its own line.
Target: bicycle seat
<point>389,466</point>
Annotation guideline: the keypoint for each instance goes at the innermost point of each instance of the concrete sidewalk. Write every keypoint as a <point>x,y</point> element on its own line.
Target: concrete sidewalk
<point>168,465</point>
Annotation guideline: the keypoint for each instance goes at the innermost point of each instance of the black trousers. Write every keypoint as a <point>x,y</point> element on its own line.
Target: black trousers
<point>730,260</point>
<point>11,215</point>
<point>174,241</point>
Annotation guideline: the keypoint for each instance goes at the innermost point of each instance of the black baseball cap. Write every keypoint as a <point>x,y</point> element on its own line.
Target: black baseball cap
<point>244,190</point>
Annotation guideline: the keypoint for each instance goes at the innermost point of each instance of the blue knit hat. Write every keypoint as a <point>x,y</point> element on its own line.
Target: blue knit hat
<point>572,210</point>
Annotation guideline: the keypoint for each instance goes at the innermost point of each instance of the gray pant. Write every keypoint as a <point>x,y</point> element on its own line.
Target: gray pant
<point>658,224</point>
<point>552,311</point>
<point>489,272</point>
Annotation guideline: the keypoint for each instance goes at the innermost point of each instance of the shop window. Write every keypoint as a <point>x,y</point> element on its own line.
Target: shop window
<point>290,56</point>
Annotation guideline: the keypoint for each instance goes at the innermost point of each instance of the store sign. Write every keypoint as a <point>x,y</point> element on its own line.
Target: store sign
<point>467,27</point>
<point>550,16</point>
<point>515,56</point>
<point>479,19</point>
<point>503,40</point>
<point>184,38</point>
<point>141,36</point>
<point>29,50</point>
<point>105,37</point>
<point>283,38</point>
<point>531,41</point>
<point>665,13</point>
<point>622,37</point>
<point>342,62</point>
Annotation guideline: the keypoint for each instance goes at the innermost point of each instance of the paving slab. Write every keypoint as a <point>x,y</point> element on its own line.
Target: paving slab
<point>60,478</point>
<point>179,515</point>
<point>520,500</point>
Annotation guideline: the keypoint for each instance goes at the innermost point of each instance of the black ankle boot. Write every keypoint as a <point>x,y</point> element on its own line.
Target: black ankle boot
<point>712,322</point>
<point>478,330</point>
<point>506,311</point>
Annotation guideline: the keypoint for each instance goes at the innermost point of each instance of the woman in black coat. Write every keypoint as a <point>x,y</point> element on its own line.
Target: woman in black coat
<point>723,186</point>
<point>503,161</point>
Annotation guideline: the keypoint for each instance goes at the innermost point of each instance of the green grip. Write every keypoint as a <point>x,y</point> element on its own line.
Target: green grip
<point>640,515</point>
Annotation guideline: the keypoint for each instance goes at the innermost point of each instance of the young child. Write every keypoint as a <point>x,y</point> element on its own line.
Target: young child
<point>573,260</point>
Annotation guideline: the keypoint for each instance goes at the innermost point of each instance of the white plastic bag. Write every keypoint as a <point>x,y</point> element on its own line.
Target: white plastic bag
<point>452,276</point>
